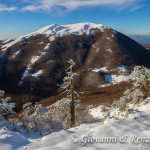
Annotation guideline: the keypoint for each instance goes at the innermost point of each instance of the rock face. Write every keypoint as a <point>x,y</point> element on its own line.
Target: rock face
<point>32,66</point>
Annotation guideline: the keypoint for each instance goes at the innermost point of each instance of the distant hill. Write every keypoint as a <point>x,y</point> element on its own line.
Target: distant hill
<point>142,39</point>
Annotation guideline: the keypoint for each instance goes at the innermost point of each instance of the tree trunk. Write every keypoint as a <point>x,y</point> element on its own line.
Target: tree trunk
<point>72,107</point>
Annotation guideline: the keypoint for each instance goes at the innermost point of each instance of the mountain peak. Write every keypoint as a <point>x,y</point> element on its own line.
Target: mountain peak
<point>62,30</point>
<point>55,30</point>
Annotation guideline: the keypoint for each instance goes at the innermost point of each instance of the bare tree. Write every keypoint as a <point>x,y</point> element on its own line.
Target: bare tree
<point>68,87</point>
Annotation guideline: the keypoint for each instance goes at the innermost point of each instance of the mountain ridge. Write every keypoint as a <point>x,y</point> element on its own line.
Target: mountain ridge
<point>55,30</point>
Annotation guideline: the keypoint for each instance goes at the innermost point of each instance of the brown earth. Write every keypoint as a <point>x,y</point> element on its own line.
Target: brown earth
<point>94,96</point>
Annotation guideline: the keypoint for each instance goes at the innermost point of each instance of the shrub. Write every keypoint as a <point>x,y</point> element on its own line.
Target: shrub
<point>52,118</point>
<point>6,109</point>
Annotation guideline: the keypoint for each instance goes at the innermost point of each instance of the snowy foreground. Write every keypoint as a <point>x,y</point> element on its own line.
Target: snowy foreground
<point>112,134</point>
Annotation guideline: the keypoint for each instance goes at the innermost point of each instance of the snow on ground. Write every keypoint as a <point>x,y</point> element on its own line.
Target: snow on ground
<point>34,60</point>
<point>103,69</point>
<point>55,30</point>
<point>12,140</point>
<point>109,50</point>
<point>112,78</point>
<point>97,112</point>
<point>108,38</point>
<point>15,54</point>
<point>26,73</point>
<point>47,47</point>
<point>112,134</point>
<point>41,43</point>
<point>114,34</point>
<point>36,74</point>
<point>116,79</point>
<point>49,61</point>
<point>97,49</point>
<point>63,30</point>
<point>42,53</point>
<point>121,68</point>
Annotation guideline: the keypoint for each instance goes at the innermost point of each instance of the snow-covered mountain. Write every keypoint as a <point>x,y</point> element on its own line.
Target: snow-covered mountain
<point>55,30</point>
<point>31,66</point>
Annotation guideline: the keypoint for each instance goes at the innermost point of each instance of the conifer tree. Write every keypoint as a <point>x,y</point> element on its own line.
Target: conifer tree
<point>68,87</point>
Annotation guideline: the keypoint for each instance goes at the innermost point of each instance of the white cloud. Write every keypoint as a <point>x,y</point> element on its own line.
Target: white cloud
<point>5,8</point>
<point>70,5</point>
<point>136,7</point>
<point>30,8</point>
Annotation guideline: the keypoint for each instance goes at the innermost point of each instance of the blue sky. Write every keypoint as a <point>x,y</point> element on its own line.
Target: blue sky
<point>18,17</point>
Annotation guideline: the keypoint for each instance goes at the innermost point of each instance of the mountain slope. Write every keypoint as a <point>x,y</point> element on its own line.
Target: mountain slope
<point>32,66</point>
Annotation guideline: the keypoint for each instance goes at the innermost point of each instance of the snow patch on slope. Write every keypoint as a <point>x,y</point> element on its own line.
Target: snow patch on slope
<point>122,68</point>
<point>34,60</point>
<point>116,79</point>
<point>103,69</point>
<point>49,61</point>
<point>41,43</point>
<point>109,50</point>
<point>97,49</point>
<point>123,76</point>
<point>113,78</point>
<point>26,73</point>
<point>15,54</point>
<point>46,47</point>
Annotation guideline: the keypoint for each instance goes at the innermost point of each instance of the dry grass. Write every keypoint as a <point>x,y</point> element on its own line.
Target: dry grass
<point>104,95</point>
<point>95,96</point>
